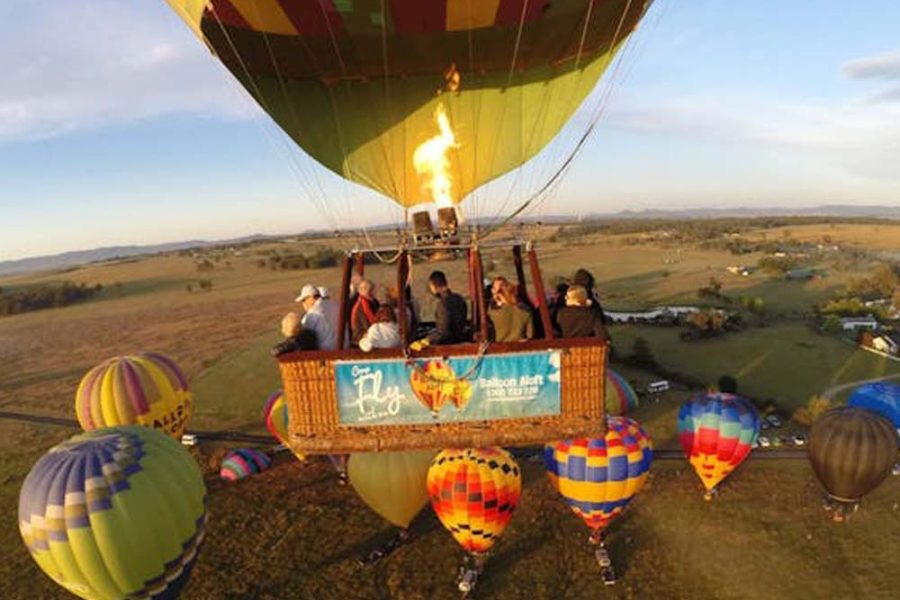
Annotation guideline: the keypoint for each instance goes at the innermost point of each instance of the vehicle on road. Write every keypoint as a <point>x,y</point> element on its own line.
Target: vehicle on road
<point>774,420</point>
<point>764,441</point>
<point>799,440</point>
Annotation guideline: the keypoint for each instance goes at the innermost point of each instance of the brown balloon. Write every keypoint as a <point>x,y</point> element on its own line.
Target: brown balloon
<point>852,450</point>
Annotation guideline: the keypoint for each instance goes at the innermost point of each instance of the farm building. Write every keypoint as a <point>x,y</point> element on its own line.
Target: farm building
<point>888,343</point>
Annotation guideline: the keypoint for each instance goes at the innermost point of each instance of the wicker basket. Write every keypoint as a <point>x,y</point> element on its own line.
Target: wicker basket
<point>309,388</point>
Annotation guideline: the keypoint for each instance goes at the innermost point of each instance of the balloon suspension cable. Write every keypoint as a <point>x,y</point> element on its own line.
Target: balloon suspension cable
<point>537,197</point>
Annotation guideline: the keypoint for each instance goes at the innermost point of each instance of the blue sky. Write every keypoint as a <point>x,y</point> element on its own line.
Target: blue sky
<point>123,130</point>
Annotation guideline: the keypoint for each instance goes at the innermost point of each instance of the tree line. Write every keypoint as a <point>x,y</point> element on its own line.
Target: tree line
<point>39,297</point>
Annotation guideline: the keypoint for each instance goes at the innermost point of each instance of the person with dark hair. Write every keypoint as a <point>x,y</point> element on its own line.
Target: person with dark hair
<point>578,319</point>
<point>450,315</point>
<point>585,279</point>
<point>512,322</point>
<point>362,315</point>
<point>557,302</point>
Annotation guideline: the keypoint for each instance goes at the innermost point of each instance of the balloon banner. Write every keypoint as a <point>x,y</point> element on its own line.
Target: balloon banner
<point>497,386</point>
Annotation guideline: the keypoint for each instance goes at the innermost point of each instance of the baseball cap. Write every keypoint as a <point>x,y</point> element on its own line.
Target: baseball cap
<point>305,292</point>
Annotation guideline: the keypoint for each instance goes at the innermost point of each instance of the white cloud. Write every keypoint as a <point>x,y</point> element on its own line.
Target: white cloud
<point>852,133</point>
<point>69,66</point>
<point>881,67</point>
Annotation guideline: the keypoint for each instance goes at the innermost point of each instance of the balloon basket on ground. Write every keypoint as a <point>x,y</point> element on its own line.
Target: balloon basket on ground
<point>345,401</point>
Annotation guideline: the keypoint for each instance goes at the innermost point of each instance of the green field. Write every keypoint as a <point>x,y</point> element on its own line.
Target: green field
<point>293,533</point>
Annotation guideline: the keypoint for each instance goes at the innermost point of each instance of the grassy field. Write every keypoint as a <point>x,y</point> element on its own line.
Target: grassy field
<point>293,533</point>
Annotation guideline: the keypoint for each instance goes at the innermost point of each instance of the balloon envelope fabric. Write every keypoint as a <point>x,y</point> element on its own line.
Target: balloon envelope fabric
<point>392,483</point>
<point>142,389</point>
<point>474,492</point>
<point>717,432</point>
<point>620,396</point>
<point>599,477</point>
<point>242,463</point>
<point>852,450</point>
<point>882,397</point>
<point>115,513</point>
<point>276,414</point>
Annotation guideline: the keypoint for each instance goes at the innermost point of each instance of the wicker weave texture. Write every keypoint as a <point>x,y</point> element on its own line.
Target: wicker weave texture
<point>314,427</point>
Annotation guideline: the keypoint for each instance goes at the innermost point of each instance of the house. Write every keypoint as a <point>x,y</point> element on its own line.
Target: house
<point>854,323</point>
<point>888,343</point>
<point>740,270</point>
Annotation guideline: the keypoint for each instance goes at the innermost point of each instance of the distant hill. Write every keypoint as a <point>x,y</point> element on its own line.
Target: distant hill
<point>80,257</point>
<point>837,210</point>
<point>68,259</point>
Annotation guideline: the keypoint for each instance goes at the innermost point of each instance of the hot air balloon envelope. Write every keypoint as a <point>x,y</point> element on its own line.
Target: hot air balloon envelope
<point>882,397</point>
<point>392,483</point>
<point>717,432</point>
<point>243,462</point>
<point>142,389</point>
<point>115,513</point>
<point>599,477</point>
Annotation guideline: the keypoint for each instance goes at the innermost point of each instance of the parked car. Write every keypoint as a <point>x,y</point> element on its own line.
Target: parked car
<point>799,440</point>
<point>764,441</point>
<point>773,420</point>
<point>777,441</point>
<point>763,424</point>
<point>896,469</point>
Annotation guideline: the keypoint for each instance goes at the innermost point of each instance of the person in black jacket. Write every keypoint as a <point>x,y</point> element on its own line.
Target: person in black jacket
<point>450,315</point>
<point>297,336</point>
<point>577,318</point>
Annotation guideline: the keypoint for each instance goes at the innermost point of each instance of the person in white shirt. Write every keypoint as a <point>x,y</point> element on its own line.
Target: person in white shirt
<point>383,333</point>
<point>317,317</point>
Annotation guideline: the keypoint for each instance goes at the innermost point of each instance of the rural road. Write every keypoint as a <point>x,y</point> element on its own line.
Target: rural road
<point>248,438</point>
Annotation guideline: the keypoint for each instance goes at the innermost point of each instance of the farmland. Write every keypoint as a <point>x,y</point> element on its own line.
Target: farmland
<point>292,532</point>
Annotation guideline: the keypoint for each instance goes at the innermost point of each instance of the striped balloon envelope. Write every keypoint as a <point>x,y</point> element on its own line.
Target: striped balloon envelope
<point>276,414</point>
<point>243,462</point>
<point>717,432</point>
<point>115,513</point>
<point>474,492</point>
<point>598,477</point>
<point>141,389</point>
<point>620,396</point>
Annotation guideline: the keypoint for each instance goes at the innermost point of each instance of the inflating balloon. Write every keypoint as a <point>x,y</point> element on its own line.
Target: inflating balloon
<point>882,398</point>
<point>356,84</point>
<point>142,389</point>
<point>243,462</point>
<point>392,483</point>
<point>115,513</point>
<point>620,396</point>
<point>851,451</point>
<point>717,432</point>
<point>276,414</point>
<point>474,492</point>
<point>598,477</point>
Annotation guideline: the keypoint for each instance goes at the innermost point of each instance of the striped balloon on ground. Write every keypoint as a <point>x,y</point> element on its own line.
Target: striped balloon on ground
<point>620,396</point>
<point>717,432</point>
<point>242,463</point>
<point>598,477</point>
<point>474,492</point>
<point>115,513</point>
<point>142,389</point>
<point>276,414</point>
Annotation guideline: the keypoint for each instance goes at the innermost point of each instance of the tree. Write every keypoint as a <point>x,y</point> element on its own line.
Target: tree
<point>642,354</point>
<point>190,288</point>
<point>817,405</point>
<point>728,384</point>
<point>832,324</point>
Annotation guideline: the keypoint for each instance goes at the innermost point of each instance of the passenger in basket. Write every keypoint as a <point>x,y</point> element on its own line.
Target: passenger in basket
<point>578,319</point>
<point>585,279</point>
<point>362,316</point>
<point>511,320</point>
<point>317,317</point>
<point>450,316</point>
<point>296,336</point>
<point>384,332</point>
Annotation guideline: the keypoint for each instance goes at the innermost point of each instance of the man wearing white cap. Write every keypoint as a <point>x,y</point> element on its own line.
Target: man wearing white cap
<point>317,317</point>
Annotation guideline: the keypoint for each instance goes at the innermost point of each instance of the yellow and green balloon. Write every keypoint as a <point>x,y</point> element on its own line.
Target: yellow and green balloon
<point>141,389</point>
<point>392,483</point>
<point>115,513</point>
